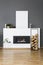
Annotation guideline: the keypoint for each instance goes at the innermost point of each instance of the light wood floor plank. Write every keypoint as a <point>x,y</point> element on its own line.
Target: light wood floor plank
<point>21,57</point>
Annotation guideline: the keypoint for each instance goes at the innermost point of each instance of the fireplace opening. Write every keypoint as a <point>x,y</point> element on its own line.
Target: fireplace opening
<point>21,39</point>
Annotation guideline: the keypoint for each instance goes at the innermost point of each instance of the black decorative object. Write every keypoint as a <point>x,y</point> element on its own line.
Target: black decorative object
<point>9,26</point>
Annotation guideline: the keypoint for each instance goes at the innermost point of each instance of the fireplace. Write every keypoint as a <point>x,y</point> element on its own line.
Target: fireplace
<point>21,39</point>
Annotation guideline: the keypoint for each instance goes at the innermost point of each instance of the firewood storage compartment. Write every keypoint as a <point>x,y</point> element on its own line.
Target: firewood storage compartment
<point>34,39</point>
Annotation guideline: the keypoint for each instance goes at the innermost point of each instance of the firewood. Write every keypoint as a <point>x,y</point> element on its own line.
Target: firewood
<point>34,42</point>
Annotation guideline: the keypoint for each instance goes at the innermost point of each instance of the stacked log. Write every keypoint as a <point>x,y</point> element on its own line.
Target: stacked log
<point>34,42</point>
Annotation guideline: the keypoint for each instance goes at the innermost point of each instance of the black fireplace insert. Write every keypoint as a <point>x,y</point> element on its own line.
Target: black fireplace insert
<point>21,39</point>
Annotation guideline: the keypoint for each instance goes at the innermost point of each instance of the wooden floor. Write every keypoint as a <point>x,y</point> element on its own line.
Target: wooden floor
<point>21,57</point>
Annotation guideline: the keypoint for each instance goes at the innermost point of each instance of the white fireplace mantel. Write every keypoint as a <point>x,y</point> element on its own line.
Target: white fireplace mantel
<point>8,34</point>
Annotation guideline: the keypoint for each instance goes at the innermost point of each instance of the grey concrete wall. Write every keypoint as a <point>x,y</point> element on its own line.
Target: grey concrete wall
<point>9,7</point>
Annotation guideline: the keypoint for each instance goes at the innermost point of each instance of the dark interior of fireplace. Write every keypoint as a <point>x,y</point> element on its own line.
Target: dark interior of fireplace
<point>21,39</point>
